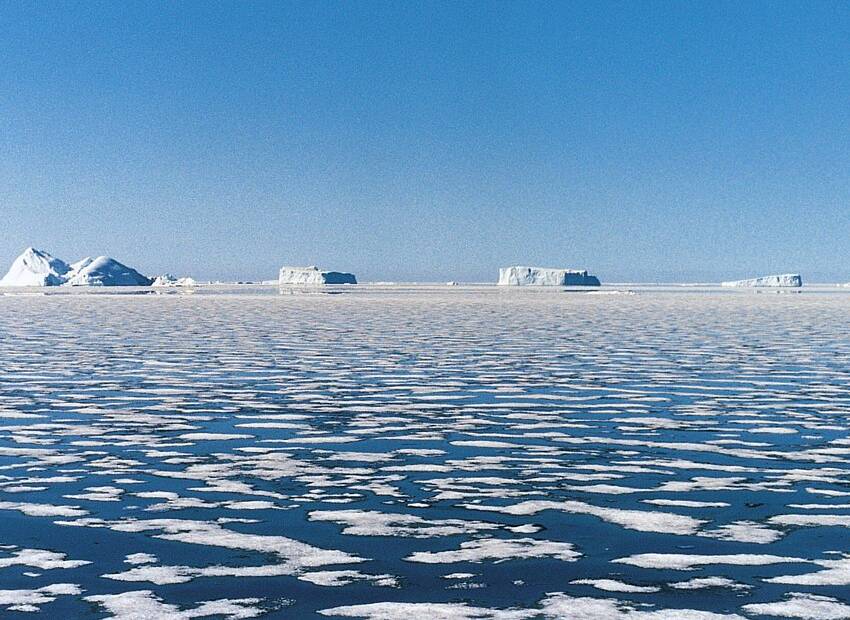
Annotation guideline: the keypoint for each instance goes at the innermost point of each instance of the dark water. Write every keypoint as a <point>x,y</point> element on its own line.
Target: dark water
<point>425,453</point>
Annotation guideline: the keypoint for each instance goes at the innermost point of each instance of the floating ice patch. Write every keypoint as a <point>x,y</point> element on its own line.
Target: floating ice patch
<point>499,550</point>
<point>31,600</point>
<point>40,558</point>
<point>373,523</point>
<point>802,605</point>
<point>145,604</point>
<point>612,585</point>
<point>643,521</point>
<point>682,561</point>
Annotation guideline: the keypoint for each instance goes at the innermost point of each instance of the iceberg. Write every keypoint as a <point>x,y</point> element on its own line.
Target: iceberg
<point>781,280</point>
<point>542,276</point>
<point>104,271</point>
<point>313,276</point>
<point>169,280</point>
<point>36,268</point>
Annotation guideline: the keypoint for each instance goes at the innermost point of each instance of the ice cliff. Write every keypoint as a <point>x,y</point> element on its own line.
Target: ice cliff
<point>782,280</point>
<point>541,276</point>
<point>313,276</point>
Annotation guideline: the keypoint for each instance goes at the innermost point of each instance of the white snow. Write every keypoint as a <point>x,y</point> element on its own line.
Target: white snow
<point>544,276</point>
<point>313,276</point>
<point>781,280</point>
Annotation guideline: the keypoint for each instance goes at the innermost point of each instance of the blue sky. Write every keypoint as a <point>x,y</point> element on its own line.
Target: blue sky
<point>653,141</point>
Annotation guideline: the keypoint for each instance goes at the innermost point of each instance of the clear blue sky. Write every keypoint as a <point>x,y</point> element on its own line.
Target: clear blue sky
<point>672,141</point>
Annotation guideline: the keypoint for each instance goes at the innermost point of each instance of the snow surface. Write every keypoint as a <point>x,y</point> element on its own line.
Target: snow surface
<point>782,280</point>
<point>38,268</point>
<point>314,276</point>
<point>542,276</point>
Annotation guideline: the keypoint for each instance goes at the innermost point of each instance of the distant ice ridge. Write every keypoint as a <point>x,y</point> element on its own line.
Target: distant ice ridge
<point>38,268</point>
<point>541,276</point>
<point>169,280</point>
<point>782,280</point>
<point>314,276</point>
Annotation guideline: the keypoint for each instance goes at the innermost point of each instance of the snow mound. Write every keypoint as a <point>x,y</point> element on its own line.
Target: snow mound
<point>782,280</point>
<point>169,280</point>
<point>314,276</point>
<point>36,268</point>
<point>541,276</point>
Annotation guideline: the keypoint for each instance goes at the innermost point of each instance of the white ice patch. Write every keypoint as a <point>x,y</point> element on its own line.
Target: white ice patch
<point>373,523</point>
<point>700,583</point>
<point>802,605</point>
<point>682,561</point>
<point>643,521</point>
<point>145,605</point>
<point>499,550</point>
<point>40,558</point>
<point>30,600</point>
<point>744,531</point>
<point>344,577</point>
<point>612,585</point>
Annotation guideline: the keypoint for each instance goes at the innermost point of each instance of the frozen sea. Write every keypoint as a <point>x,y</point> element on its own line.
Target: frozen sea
<point>425,452</point>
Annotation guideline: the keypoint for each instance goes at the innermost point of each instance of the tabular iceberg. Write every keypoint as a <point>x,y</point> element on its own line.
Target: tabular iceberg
<point>313,276</point>
<point>38,268</point>
<point>781,280</point>
<point>541,276</point>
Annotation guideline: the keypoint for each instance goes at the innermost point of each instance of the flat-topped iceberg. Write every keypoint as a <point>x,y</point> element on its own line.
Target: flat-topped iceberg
<point>781,280</point>
<point>38,268</point>
<point>167,279</point>
<point>313,276</point>
<point>542,276</point>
